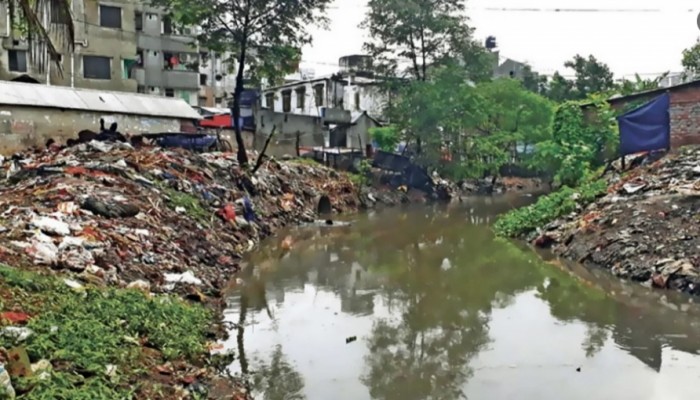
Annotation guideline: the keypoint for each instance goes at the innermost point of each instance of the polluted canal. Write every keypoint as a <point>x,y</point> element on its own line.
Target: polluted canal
<point>424,303</point>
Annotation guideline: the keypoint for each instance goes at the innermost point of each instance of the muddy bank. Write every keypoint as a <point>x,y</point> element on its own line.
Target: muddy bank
<point>645,228</point>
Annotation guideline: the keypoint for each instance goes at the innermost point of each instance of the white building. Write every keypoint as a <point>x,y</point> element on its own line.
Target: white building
<point>352,89</point>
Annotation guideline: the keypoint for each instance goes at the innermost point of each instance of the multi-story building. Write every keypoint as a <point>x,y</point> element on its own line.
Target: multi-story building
<point>124,45</point>
<point>167,58</point>
<point>352,89</point>
<point>104,43</point>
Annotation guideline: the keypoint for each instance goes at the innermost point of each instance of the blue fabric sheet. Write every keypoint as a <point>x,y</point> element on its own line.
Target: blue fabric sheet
<point>646,128</point>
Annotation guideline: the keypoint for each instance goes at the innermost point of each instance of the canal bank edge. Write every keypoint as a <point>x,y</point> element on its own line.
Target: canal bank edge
<point>640,224</point>
<point>99,222</point>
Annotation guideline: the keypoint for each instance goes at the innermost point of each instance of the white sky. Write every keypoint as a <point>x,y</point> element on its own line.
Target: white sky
<point>629,42</point>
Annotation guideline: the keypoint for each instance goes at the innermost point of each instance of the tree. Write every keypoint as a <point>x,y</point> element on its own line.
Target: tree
<point>263,35</point>
<point>39,20</point>
<point>579,143</point>
<point>691,59</point>
<point>534,82</point>
<point>560,89</point>
<point>592,76</point>
<point>640,84</point>
<point>386,137</point>
<point>422,33</point>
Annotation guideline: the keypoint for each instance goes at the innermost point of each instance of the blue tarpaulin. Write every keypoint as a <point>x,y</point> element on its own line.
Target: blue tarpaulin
<point>646,128</point>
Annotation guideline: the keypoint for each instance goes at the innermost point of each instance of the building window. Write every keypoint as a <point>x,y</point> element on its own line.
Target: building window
<point>167,28</point>
<point>138,21</point>
<point>270,101</point>
<point>17,60</point>
<point>95,67</point>
<point>287,101</point>
<point>185,95</point>
<point>56,15</point>
<point>203,79</point>
<point>357,100</point>
<point>169,92</point>
<point>110,17</point>
<point>318,95</point>
<point>301,95</point>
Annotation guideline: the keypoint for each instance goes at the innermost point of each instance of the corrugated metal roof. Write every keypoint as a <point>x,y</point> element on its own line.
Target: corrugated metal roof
<point>37,95</point>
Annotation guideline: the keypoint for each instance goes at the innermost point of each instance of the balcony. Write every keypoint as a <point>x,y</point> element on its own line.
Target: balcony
<point>185,80</point>
<point>168,43</point>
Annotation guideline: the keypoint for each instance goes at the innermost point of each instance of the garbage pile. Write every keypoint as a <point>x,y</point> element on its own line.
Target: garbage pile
<point>152,218</point>
<point>647,228</point>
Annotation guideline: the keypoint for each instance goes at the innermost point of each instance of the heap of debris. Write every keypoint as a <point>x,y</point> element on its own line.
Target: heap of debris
<point>153,218</point>
<point>647,228</point>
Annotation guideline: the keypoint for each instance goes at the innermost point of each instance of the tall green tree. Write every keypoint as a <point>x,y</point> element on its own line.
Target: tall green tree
<point>592,76</point>
<point>534,82</point>
<point>263,35</point>
<point>421,34</point>
<point>46,24</point>
<point>560,89</point>
<point>691,59</point>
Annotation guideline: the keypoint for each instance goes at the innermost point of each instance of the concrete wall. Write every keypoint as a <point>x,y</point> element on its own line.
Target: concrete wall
<point>311,132</point>
<point>371,99</point>
<point>354,136</point>
<point>22,127</point>
<point>358,134</point>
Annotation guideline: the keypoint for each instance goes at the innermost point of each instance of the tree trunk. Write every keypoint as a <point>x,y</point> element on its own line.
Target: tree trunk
<point>241,155</point>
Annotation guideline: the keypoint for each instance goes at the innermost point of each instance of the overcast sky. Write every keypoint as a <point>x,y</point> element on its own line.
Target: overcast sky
<point>645,36</point>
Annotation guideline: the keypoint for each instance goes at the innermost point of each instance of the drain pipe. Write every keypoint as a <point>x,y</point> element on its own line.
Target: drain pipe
<point>72,69</point>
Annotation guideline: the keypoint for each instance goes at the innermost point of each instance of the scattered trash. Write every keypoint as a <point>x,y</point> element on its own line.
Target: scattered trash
<point>16,333</point>
<point>42,369</point>
<point>140,285</point>
<point>18,364</point>
<point>6,383</point>
<point>51,226</point>
<point>14,317</point>
<point>186,277</point>
<point>645,229</point>
<point>446,265</point>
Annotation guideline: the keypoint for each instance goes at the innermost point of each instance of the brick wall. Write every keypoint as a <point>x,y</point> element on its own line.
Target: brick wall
<point>685,116</point>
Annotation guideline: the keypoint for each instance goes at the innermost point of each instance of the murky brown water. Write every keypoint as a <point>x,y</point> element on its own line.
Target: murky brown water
<point>443,310</point>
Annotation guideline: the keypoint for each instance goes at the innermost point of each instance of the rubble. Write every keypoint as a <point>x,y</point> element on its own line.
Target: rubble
<point>106,212</point>
<point>646,228</point>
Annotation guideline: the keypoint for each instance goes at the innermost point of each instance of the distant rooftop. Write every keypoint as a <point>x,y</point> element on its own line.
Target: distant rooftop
<point>38,95</point>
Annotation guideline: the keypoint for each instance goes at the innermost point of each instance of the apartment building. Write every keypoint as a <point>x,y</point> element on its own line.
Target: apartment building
<point>124,45</point>
<point>104,42</point>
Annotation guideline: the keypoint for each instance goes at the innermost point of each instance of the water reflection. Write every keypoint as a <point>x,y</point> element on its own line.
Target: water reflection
<point>443,310</point>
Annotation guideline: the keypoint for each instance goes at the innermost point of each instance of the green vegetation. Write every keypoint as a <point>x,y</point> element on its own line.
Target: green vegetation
<point>387,137</point>
<point>192,205</point>
<point>525,220</point>
<point>578,144</point>
<point>100,342</point>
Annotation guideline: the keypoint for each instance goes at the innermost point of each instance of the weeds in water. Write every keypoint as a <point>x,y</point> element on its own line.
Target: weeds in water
<point>548,208</point>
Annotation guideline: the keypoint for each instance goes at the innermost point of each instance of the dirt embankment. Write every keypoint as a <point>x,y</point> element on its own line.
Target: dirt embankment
<point>646,229</point>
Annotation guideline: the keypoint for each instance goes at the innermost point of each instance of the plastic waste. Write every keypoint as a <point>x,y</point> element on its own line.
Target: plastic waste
<point>6,388</point>
<point>51,225</point>
<point>16,333</point>
<point>186,277</point>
